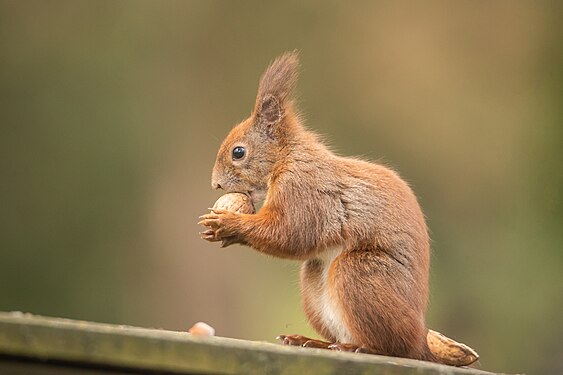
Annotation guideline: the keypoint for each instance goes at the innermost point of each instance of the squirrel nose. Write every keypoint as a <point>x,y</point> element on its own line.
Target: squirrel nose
<point>215,179</point>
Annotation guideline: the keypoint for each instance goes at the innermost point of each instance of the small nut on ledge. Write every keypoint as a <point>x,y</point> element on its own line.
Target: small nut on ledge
<point>202,329</point>
<point>235,202</point>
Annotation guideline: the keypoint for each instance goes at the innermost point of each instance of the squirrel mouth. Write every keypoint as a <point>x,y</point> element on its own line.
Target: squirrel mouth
<point>251,195</point>
<point>256,196</point>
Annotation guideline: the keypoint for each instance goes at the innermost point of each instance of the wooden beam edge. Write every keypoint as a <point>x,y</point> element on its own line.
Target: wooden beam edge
<point>72,341</point>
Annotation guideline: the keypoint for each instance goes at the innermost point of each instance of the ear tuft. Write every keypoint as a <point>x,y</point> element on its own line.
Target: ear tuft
<point>275,87</point>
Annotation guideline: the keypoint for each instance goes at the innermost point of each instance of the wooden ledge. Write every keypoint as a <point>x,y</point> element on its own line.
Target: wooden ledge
<point>39,345</point>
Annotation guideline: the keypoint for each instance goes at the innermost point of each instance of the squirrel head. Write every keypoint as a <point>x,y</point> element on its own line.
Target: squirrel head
<point>249,153</point>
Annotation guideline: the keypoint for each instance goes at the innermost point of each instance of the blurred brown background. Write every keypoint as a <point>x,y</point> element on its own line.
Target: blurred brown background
<point>111,113</point>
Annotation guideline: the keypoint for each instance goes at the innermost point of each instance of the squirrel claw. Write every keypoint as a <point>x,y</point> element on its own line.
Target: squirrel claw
<point>316,344</point>
<point>209,216</point>
<point>298,340</point>
<point>209,220</point>
<point>228,241</point>
<point>293,340</point>
<point>209,235</point>
<point>220,227</point>
<point>343,347</point>
<point>363,349</point>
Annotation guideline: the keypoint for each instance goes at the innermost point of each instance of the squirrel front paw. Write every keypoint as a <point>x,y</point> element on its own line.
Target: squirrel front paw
<point>222,226</point>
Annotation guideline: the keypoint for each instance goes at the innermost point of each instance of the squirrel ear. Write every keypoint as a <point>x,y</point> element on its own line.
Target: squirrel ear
<point>275,87</point>
<point>270,111</point>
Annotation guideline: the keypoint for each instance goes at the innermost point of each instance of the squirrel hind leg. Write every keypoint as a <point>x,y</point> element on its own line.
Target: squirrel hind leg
<point>376,315</point>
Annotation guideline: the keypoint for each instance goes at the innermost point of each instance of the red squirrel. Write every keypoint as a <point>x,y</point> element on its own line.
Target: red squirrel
<point>356,225</point>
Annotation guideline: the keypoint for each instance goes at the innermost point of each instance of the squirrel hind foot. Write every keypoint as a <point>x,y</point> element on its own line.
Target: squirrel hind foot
<point>306,342</point>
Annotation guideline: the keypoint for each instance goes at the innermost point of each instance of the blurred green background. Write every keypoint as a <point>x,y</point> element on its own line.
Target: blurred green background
<point>111,113</point>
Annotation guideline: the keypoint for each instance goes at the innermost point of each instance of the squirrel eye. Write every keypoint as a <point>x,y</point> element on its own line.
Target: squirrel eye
<point>238,153</point>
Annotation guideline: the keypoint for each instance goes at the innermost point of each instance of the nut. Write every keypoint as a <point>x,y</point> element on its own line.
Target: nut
<point>235,202</point>
<point>202,329</point>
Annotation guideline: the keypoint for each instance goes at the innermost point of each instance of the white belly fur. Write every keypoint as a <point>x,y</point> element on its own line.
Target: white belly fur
<point>329,310</point>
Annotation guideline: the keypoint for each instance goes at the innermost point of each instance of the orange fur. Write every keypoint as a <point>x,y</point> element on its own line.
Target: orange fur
<point>356,225</point>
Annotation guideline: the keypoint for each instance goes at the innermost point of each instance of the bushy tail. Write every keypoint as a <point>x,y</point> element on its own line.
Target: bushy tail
<point>449,352</point>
